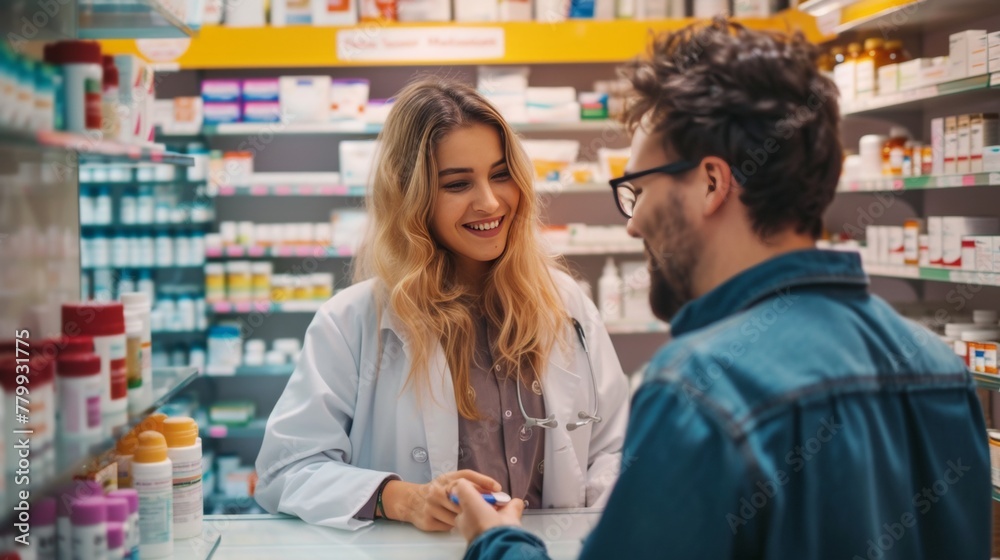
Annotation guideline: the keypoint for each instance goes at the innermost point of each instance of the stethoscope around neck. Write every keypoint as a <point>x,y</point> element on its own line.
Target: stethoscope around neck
<point>584,418</point>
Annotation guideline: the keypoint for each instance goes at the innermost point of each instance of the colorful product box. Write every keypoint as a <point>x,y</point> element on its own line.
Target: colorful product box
<point>221,91</point>
<point>262,89</point>
<point>888,79</point>
<point>950,145</point>
<point>937,146</point>
<point>955,228</point>
<point>262,111</point>
<point>219,113</point>
<point>963,163</point>
<point>991,160</point>
<point>983,131</point>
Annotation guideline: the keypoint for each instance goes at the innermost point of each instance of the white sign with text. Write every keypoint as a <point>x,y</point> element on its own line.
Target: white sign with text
<point>420,43</point>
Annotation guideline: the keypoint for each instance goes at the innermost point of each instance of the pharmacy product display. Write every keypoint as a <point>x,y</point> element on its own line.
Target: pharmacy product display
<point>920,119</point>
<point>281,13</point>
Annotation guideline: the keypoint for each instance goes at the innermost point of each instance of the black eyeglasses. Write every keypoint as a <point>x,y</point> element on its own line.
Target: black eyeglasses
<point>624,192</point>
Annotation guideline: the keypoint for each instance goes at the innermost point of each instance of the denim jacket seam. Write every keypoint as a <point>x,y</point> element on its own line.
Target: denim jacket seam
<point>852,386</point>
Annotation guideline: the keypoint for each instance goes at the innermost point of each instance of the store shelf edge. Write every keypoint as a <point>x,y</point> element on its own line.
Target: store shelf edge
<point>84,453</point>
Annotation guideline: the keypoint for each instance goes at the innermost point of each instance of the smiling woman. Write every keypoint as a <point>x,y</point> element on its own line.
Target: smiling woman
<point>476,200</point>
<point>463,352</point>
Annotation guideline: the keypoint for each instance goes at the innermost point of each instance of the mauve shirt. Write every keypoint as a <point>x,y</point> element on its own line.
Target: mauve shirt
<point>499,445</point>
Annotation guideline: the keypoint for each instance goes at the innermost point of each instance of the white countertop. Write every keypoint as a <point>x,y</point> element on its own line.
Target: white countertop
<point>251,537</point>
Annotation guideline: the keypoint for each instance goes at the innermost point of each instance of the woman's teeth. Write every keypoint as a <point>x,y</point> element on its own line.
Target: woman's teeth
<point>485,227</point>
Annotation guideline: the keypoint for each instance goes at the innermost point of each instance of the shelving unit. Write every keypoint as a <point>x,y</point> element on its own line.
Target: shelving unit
<point>72,454</point>
<point>279,251</point>
<point>611,249</point>
<point>951,275</point>
<point>268,307</point>
<point>975,86</point>
<point>924,26</point>
<point>289,188</point>
<point>112,19</point>
<point>360,129</point>
<point>921,183</point>
<point>91,19</point>
<point>89,150</point>
<point>567,42</point>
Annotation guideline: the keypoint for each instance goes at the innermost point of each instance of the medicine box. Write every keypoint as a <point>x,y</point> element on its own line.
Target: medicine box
<point>262,111</point>
<point>334,12</point>
<point>964,151</point>
<point>958,55</point>
<point>909,73</point>
<point>950,145</point>
<point>232,413</point>
<point>991,160</point>
<point>935,73</point>
<point>476,10</point>
<point>221,91</point>
<point>983,131</point>
<point>935,231</point>
<point>424,10</point>
<point>978,53</point>
<point>993,51</point>
<point>305,98</point>
<point>954,228</point>
<point>937,146</point>
<point>356,160</point>
<point>515,10</point>
<point>888,79</point>
<point>217,113</point>
<point>262,89</point>
<point>348,98</point>
<point>985,247</point>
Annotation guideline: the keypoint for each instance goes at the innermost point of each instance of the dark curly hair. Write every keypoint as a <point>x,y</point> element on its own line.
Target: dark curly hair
<point>756,100</point>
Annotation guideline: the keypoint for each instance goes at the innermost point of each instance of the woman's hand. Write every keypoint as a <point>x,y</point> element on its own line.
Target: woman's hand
<point>477,516</point>
<point>428,506</point>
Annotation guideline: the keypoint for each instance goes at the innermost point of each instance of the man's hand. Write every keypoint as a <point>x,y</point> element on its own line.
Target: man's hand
<point>427,506</point>
<point>477,516</point>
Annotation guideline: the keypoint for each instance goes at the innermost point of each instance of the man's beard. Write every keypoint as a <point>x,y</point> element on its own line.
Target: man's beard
<point>672,267</point>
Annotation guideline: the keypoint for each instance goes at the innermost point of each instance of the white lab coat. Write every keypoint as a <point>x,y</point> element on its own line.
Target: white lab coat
<point>341,427</point>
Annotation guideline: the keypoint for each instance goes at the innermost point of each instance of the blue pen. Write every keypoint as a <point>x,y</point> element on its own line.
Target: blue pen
<point>493,498</point>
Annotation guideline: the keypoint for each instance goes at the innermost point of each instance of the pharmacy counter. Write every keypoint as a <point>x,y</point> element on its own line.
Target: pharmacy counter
<point>251,537</point>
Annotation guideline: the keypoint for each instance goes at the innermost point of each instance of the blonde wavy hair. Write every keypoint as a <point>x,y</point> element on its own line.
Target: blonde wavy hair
<point>417,274</point>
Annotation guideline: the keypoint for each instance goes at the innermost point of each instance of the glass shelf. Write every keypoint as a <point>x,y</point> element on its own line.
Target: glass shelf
<point>129,19</point>
<point>90,150</point>
<point>56,465</point>
<point>283,370</point>
<point>981,88</point>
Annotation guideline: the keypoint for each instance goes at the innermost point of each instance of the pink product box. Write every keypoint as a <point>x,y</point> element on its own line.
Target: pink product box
<point>262,111</point>
<point>217,113</point>
<point>217,91</point>
<point>261,89</point>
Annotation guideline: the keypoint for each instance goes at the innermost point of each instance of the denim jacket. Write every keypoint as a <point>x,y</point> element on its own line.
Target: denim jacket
<point>795,416</point>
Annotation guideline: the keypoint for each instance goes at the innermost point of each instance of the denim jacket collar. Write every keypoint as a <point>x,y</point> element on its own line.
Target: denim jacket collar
<point>798,268</point>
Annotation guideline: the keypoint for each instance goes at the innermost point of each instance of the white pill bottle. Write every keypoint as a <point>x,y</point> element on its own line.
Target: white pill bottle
<point>184,450</point>
<point>152,478</point>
